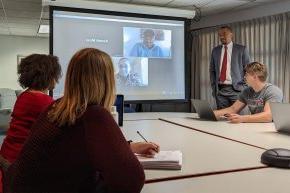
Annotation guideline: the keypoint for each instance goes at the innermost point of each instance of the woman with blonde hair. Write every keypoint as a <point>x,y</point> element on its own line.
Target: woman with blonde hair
<point>75,145</point>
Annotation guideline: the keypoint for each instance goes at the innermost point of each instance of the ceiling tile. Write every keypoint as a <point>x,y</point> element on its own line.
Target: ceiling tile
<point>123,1</point>
<point>188,7</point>
<point>4,32</point>
<point>43,35</point>
<point>44,21</point>
<point>26,1</point>
<point>23,14</point>
<point>197,3</point>
<point>207,12</point>
<point>45,8</point>
<point>45,15</point>
<point>22,26</point>
<point>2,13</point>
<point>24,31</point>
<point>151,2</point>
<point>267,1</point>
<point>3,22</point>
<point>248,5</point>
<point>223,4</point>
<point>3,25</point>
<point>22,20</point>
<point>20,5</point>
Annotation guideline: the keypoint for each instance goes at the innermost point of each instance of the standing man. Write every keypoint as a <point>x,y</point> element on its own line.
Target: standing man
<point>227,69</point>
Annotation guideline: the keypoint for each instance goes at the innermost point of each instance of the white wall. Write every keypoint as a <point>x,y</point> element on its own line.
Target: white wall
<point>242,15</point>
<point>10,47</point>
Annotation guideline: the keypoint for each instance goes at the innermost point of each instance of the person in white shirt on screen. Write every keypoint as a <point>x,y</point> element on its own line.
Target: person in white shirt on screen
<point>257,97</point>
<point>147,48</point>
<point>125,77</point>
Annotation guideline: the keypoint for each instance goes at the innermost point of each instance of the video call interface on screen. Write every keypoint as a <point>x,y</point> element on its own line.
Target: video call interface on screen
<point>148,54</point>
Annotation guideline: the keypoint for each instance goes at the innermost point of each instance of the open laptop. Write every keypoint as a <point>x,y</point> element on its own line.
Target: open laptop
<point>119,103</point>
<point>281,116</point>
<point>203,109</point>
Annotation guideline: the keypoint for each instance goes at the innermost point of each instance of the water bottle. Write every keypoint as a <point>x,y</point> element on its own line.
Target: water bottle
<point>115,114</point>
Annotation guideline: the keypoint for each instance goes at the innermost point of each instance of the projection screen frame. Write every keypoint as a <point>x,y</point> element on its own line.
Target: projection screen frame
<point>187,38</point>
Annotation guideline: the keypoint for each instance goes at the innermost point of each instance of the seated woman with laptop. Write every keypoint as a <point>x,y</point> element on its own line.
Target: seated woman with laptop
<point>257,97</point>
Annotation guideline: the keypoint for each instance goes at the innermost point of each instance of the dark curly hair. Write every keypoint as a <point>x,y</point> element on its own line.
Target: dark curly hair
<point>39,71</point>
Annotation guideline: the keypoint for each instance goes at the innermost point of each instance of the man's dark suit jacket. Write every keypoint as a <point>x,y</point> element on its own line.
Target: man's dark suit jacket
<point>240,57</point>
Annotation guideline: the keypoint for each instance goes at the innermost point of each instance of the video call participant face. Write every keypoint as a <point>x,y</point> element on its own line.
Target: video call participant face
<point>148,38</point>
<point>225,35</point>
<point>124,67</point>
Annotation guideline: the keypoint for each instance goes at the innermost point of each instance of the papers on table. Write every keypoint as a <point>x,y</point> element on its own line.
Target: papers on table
<point>171,160</point>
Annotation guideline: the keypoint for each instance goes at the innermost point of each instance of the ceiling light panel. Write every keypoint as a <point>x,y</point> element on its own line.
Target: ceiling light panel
<point>43,29</point>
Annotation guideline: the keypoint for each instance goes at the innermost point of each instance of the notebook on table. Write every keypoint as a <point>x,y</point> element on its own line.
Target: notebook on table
<point>167,160</point>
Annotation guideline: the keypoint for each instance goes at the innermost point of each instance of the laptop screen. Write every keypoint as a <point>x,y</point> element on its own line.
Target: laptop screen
<point>119,103</point>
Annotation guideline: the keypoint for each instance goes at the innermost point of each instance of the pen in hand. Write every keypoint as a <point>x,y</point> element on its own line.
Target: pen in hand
<point>151,148</point>
<point>142,136</point>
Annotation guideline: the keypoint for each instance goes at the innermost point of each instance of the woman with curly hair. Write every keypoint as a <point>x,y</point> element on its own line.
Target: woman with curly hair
<point>38,73</point>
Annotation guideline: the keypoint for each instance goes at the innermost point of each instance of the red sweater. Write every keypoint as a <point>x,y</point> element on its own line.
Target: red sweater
<point>26,110</point>
<point>75,158</point>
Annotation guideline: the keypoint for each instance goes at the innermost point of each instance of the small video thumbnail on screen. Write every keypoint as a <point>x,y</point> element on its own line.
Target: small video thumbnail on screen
<point>131,71</point>
<point>146,42</point>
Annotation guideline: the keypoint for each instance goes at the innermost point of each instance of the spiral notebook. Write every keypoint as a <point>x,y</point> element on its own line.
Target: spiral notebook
<point>167,160</point>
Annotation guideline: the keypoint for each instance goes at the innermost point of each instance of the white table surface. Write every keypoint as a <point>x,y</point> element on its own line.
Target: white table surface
<point>202,153</point>
<point>259,134</point>
<point>154,115</point>
<point>268,180</point>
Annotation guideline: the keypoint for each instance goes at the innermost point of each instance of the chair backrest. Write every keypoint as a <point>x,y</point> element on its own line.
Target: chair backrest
<point>18,92</point>
<point>7,98</point>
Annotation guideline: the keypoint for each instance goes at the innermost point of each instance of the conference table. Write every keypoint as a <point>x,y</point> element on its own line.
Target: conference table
<point>217,156</point>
